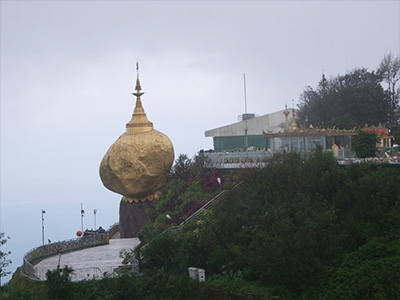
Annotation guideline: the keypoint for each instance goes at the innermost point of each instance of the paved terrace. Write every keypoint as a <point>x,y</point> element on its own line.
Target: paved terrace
<point>91,262</point>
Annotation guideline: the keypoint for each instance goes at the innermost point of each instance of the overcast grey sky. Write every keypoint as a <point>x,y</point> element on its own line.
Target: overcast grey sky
<point>68,70</point>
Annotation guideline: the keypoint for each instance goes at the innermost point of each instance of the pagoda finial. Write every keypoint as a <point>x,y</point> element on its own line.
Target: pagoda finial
<point>139,122</point>
<point>286,113</point>
<point>293,126</point>
<point>138,88</point>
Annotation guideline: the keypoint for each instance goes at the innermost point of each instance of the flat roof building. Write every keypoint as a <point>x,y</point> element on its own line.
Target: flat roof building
<point>248,132</point>
<point>251,142</point>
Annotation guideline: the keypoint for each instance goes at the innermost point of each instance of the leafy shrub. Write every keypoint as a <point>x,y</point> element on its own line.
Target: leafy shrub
<point>370,272</point>
<point>59,283</point>
<point>290,222</point>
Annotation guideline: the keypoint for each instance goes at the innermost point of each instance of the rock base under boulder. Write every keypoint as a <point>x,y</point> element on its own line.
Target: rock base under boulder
<point>132,217</point>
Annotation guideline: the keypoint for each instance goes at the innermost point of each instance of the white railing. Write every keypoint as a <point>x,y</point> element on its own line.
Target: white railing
<point>237,160</point>
<point>81,274</point>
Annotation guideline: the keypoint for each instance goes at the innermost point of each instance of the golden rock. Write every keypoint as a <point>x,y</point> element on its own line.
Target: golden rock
<point>136,164</point>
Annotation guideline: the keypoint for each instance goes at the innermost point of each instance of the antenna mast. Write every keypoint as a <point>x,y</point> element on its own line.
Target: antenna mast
<point>246,138</point>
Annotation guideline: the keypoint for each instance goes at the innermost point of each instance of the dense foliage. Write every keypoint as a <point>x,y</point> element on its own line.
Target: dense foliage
<point>189,186</point>
<point>389,71</point>
<point>4,261</point>
<point>357,94</point>
<point>364,144</point>
<point>59,283</point>
<point>356,98</point>
<point>156,286</point>
<point>303,228</point>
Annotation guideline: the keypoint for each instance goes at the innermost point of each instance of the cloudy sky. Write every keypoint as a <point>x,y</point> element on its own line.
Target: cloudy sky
<point>68,71</point>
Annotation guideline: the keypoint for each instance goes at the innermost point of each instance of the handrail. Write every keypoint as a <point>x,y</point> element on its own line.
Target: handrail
<point>82,273</point>
<point>206,206</point>
<point>113,230</point>
<point>237,160</point>
<point>209,204</point>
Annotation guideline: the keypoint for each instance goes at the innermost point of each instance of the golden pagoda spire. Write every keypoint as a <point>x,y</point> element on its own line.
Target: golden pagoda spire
<point>293,126</point>
<point>139,122</point>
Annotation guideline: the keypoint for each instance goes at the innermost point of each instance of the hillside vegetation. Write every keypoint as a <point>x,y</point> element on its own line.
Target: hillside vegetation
<point>296,229</point>
<point>301,228</point>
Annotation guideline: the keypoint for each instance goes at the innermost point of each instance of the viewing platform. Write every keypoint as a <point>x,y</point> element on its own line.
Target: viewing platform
<point>88,263</point>
<point>91,256</point>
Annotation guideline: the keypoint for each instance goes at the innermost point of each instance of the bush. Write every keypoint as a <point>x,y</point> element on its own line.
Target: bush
<point>364,144</point>
<point>370,272</point>
<point>289,223</point>
<point>59,283</point>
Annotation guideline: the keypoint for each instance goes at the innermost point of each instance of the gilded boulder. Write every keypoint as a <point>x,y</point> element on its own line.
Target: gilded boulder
<point>135,165</point>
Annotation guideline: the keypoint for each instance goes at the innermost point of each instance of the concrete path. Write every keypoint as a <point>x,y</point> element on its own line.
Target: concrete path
<point>91,261</point>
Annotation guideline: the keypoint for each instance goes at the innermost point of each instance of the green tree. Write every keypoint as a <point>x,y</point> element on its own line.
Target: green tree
<point>367,273</point>
<point>364,144</point>
<point>342,122</point>
<point>59,283</point>
<point>357,94</point>
<point>389,70</point>
<point>298,226</point>
<point>181,168</point>
<point>4,261</point>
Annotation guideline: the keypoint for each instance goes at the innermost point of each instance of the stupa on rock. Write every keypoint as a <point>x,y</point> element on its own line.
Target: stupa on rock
<point>135,167</point>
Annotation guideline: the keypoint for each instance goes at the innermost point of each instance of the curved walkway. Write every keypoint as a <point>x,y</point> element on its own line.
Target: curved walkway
<point>91,262</point>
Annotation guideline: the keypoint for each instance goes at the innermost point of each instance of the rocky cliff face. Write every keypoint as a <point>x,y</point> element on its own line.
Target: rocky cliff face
<point>132,217</point>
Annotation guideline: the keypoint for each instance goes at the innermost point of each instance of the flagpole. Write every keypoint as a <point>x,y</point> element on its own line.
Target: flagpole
<point>246,139</point>
<point>43,212</point>
<point>82,213</point>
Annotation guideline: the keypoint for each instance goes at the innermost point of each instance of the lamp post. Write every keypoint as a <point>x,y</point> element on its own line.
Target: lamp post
<point>94,213</point>
<point>43,212</point>
<point>304,135</point>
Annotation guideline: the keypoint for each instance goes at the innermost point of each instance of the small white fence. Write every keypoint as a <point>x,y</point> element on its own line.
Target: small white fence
<point>91,273</point>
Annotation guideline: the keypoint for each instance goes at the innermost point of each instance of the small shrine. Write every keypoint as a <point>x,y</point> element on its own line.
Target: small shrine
<point>306,139</point>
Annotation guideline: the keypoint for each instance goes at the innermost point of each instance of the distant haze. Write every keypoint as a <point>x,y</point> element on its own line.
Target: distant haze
<point>68,71</point>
